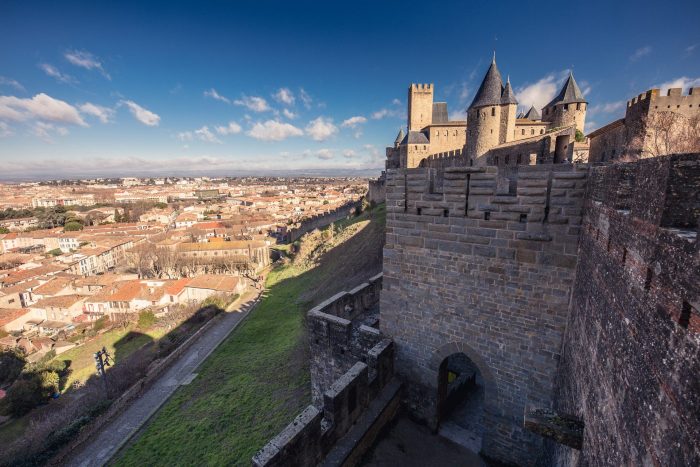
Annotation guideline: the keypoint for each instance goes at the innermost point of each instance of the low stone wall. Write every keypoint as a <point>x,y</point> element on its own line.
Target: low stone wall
<point>341,332</point>
<point>314,432</point>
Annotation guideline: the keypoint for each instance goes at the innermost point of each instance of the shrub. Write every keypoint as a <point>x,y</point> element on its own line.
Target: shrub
<point>146,319</point>
<point>73,226</point>
<point>580,138</point>
<point>55,252</point>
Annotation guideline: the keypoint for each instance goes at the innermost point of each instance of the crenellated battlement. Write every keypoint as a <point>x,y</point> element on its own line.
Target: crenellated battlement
<point>673,96</point>
<point>426,87</point>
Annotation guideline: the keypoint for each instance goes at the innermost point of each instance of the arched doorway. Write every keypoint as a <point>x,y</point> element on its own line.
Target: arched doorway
<point>460,401</point>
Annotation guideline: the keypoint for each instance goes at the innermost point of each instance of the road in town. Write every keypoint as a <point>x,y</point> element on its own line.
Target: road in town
<point>102,447</point>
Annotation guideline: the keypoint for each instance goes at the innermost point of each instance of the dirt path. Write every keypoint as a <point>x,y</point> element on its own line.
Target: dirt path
<point>102,447</point>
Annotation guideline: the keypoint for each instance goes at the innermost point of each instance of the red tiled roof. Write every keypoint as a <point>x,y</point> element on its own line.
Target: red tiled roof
<point>214,282</point>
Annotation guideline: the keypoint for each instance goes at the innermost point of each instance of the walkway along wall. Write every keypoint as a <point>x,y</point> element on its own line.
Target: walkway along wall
<point>631,360</point>
<point>482,262</point>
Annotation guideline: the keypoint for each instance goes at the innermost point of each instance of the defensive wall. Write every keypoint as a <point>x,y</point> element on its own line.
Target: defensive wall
<point>320,221</point>
<point>351,368</point>
<point>631,354</point>
<point>480,261</point>
<point>376,189</point>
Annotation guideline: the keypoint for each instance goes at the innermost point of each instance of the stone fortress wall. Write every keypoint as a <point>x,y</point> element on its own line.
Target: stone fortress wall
<point>482,261</point>
<point>320,221</point>
<point>631,355</point>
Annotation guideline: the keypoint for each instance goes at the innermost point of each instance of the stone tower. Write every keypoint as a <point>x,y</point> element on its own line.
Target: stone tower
<point>491,116</point>
<point>568,108</point>
<point>420,106</point>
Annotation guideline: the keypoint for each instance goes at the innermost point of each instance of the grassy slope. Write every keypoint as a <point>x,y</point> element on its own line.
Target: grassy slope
<point>257,380</point>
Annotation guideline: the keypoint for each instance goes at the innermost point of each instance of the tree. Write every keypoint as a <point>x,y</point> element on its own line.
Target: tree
<point>579,137</point>
<point>73,226</point>
<point>663,133</point>
<point>4,230</point>
<point>12,363</point>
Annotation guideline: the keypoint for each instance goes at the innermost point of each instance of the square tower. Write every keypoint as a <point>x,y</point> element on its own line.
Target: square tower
<point>420,106</point>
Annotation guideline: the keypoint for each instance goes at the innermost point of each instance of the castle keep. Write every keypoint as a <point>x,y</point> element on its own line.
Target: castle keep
<point>559,301</point>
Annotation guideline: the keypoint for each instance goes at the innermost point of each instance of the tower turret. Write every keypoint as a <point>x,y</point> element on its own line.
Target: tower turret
<point>509,107</point>
<point>399,138</point>
<point>568,107</point>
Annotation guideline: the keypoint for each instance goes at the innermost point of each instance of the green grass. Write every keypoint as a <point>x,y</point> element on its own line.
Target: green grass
<point>244,392</point>
<point>257,380</point>
<point>82,362</point>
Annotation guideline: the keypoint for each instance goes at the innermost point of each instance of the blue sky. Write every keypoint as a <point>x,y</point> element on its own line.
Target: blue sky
<point>91,87</point>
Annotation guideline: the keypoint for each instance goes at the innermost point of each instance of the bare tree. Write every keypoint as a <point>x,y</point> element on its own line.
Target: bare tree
<point>663,133</point>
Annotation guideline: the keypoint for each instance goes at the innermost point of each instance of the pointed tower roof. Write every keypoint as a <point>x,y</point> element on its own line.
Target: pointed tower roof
<point>399,137</point>
<point>569,93</point>
<point>533,114</point>
<point>508,96</point>
<point>491,88</point>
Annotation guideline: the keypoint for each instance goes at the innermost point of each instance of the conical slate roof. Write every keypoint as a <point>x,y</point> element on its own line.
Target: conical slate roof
<point>533,114</point>
<point>399,137</point>
<point>569,93</point>
<point>508,97</point>
<point>491,88</point>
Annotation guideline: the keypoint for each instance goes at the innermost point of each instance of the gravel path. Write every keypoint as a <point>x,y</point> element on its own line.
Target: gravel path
<point>101,448</point>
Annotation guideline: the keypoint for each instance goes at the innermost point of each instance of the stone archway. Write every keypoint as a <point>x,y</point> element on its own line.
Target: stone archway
<point>465,395</point>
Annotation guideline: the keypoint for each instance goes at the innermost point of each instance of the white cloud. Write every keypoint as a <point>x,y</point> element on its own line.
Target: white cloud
<point>352,122</point>
<point>215,95</point>
<point>84,59</point>
<point>540,93</point>
<point>289,114</point>
<point>284,96</point>
<point>4,81</point>
<point>54,72</point>
<point>273,130</point>
<point>144,116</point>
<point>204,134</point>
<point>349,153</point>
<point>5,130</point>
<point>324,154</point>
<point>321,129</point>
<point>396,102</point>
<point>45,130</point>
<point>590,126</point>
<point>40,107</point>
<point>305,98</point>
<point>690,49</point>
<point>383,113</point>
<point>231,129</point>
<point>254,103</point>
<point>683,82</point>
<point>103,114</point>
<point>639,53</point>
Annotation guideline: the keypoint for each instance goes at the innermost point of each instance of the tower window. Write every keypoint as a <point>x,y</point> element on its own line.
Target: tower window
<point>493,111</point>
<point>541,131</point>
<point>578,106</point>
<point>566,106</point>
<point>532,132</point>
<point>523,131</point>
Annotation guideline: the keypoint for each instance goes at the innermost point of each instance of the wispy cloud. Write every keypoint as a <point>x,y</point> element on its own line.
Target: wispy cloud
<point>640,53</point>
<point>204,134</point>
<point>690,49</point>
<point>254,103</point>
<point>46,131</point>
<point>289,114</point>
<point>5,130</point>
<point>349,153</point>
<point>231,129</point>
<point>683,82</point>
<point>55,73</point>
<point>215,95</point>
<point>325,154</point>
<point>141,114</point>
<point>284,96</point>
<point>321,129</point>
<point>272,130</point>
<point>353,122</point>
<point>4,81</point>
<point>607,108</point>
<point>40,107</point>
<point>84,59</point>
<point>103,114</point>
<point>305,98</point>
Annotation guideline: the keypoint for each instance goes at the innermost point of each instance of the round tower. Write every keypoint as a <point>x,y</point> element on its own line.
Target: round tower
<point>568,107</point>
<point>484,116</point>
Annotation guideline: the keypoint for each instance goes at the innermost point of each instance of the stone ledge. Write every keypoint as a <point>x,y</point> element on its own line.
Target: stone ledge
<point>564,429</point>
